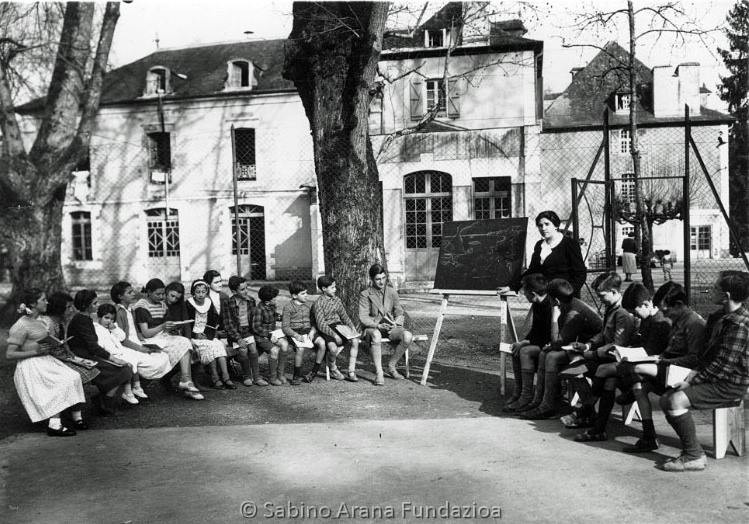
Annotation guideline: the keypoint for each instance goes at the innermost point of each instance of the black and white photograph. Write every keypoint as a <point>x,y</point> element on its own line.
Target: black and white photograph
<point>327,261</point>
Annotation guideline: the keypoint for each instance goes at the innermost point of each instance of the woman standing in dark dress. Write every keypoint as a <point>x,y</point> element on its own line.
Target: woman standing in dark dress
<point>556,255</point>
<point>85,344</point>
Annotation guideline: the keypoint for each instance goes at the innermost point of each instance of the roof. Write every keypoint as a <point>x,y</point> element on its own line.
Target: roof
<point>589,93</point>
<point>205,69</point>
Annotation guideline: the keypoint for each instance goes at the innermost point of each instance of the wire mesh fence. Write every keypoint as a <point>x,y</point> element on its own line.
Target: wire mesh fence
<point>165,203</point>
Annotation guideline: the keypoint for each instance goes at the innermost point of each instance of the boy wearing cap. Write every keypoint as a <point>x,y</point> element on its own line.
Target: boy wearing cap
<point>237,317</point>
<point>328,312</point>
<point>263,325</point>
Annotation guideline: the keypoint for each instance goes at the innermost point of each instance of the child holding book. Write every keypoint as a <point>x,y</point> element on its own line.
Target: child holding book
<point>296,323</point>
<point>204,326</point>
<point>263,326</point>
<point>329,312</point>
<point>237,322</point>
<point>525,353</point>
<point>618,329</point>
<point>682,347</point>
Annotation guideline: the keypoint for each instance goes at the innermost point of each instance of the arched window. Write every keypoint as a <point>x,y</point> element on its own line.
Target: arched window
<point>157,81</point>
<point>239,74</point>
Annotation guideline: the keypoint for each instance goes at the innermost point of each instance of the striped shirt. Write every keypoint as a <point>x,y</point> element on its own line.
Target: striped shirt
<point>327,311</point>
<point>150,313</point>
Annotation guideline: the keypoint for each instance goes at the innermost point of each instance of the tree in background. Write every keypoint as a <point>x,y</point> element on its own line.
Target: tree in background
<point>331,56</point>
<point>734,89</point>
<point>33,180</point>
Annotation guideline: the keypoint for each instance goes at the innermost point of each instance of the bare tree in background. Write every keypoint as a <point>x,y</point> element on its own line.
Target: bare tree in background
<point>659,21</point>
<point>33,181</point>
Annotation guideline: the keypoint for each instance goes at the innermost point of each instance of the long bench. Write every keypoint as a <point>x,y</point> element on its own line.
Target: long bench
<point>416,338</point>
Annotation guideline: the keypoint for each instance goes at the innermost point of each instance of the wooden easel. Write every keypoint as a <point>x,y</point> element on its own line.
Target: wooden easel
<point>505,319</point>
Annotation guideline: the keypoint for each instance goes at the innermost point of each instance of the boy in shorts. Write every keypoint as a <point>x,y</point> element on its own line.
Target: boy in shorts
<point>237,321</point>
<point>328,312</point>
<point>263,325</point>
<point>297,326</point>
<point>721,379</point>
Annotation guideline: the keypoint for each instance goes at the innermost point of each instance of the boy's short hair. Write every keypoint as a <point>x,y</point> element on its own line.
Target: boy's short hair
<point>635,295</point>
<point>535,282</point>
<point>296,287</point>
<point>267,293</point>
<point>325,281</point>
<point>607,282</point>
<point>736,283</point>
<point>106,309</point>
<point>209,275</point>
<point>376,269</point>
<point>560,289</point>
<point>235,281</point>
<point>670,294</point>
<point>118,290</point>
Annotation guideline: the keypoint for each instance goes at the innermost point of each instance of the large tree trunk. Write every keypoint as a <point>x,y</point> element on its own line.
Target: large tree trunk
<point>331,56</point>
<point>33,184</point>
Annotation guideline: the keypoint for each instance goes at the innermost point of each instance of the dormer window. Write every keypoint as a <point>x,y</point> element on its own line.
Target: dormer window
<point>157,81</point>
<point>434,38</point>
<point>622,102</point>
<point>239,74</point>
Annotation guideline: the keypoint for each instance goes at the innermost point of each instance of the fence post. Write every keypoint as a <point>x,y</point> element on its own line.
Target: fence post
<point>607,208</point>
<point>686,206</point>
<point>575,218</point>
<point>236,236</point>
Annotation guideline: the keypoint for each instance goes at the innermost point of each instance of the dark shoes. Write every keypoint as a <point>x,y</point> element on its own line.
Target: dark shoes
<point>80,425</point>
<point>590,436</point>
<point>309,377</point>
<point>538,414</point>
<point>642,446</point>
<point>351,376</point>
<point>576,420</point>
<point>61,432</point>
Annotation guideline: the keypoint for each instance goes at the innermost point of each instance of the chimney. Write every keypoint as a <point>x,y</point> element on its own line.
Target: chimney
<point>689,86</point>
<point>665,92</point>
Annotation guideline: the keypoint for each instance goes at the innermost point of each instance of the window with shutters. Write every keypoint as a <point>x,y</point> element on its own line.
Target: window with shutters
<point>81,235</point>
<point>163,233</point>
<point>159,156</point>
<point>491,198</point>
<point>157,81</point>
<point>436,95</point>
<point>244,148</point>
<point>239,74</point>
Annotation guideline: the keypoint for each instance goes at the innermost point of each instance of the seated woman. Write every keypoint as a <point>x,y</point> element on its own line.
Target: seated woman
<point>572,320</point>
<point>44,384</point>
<point>151,365</point>
<point>123,296</point>
<point>204,326</point>
<point>682,347</point>
<point>60,310</point>
<point>150,315</point>
<point>114,373</point>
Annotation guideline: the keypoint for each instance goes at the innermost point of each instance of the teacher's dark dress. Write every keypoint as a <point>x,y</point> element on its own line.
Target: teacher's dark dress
<point>565,261</point>
<point>85,344</point>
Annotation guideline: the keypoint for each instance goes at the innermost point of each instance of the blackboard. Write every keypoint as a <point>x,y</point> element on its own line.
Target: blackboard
<point>481,254</point>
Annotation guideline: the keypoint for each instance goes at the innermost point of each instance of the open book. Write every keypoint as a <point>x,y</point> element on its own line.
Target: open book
<point>306,342</point>
<point>676,374</point>
<point>50,340</point>
<point>346,332</point>
<point>276,334</point>
<point>631,354</point>
<point>182,322</point>
<point>84,362</point>
<point>505,347</point>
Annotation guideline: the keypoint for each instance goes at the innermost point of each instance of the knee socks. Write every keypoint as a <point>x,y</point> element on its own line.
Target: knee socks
<point>648,429</point>
<point>518,378</point>
<point>684,426</point>
<point>604,411</point>
<point>526,393</point>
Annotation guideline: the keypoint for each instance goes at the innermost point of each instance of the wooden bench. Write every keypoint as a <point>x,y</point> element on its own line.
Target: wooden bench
<point>416,338</point>
<point>728,426</point>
